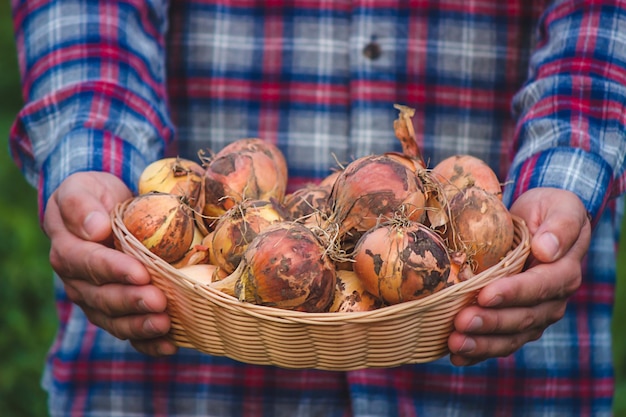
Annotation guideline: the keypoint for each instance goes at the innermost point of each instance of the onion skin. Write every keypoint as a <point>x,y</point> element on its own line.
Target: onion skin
<point>308,205</point>
<point>254,145</point>
<point>413,164</point>
<point>176,176</point>
<point>373,189</point>
<point>329,180</point>
<point>198,253</point>
<point>481,226</point>
<point>351,295</point>
<point>162,223</point>
<point>286,266</point>
<point>203,273</point>
<point>401,262</point>
<point>458,172</point>
<point>237,228</point>
<point>460,269</point>
<point>405,132</point>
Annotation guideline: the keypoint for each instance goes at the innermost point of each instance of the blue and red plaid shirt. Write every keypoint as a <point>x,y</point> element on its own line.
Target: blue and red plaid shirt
<point>535,88</point>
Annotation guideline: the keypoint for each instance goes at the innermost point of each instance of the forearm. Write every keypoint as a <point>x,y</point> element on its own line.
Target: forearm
<point>94,88</point>
<point>571,128</point>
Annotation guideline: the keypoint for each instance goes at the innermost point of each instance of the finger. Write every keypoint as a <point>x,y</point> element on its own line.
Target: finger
<point>557,235</point>
<point>475,320</point>
<point>467,350</point>
<point>556,219</point>
<point>73,258</point>
<point>538,284</point>
<point>86,200</point>
<point>160,346</point>
<point>117,300</point>
<point>136,326</point>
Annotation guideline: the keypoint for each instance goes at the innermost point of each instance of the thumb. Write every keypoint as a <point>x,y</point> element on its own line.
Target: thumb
<point>85,201</point>
<point>557,220</point>
<point>546,246</point>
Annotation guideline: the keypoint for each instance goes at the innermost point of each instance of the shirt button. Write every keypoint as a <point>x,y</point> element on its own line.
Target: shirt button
<point>372,51</point>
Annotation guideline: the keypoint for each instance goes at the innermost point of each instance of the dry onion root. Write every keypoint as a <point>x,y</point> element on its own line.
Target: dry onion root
<point>401,261</point>
<point>285,266</point>
<point>162,222</point>
<point>480,226</point>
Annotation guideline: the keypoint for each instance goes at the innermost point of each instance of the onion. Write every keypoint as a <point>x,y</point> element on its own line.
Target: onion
<point>202,273</point>
<point>373,189</point>
<point>231,178</point>
<point>176,176</point>
<point>255,145</point>
<point>351,295</point>
<point>461,171</point>
<point>481,226</point>
<point>162,222</point>
<point>401,261</point>
<point>237,228</point>
<point>285,266</point>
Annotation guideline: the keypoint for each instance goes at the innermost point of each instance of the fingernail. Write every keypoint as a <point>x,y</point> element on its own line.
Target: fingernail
<point>93,222</point>
<point>149,328</point>
<point>143,307</point>
<point>474,324</point>
<point>468,345</point>
<point>495,301</point>
<point>549,244</point>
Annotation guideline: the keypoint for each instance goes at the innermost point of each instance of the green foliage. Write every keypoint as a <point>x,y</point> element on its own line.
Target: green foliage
<point>26,299</point>
<point>27,314</point>
<point>9,79</point>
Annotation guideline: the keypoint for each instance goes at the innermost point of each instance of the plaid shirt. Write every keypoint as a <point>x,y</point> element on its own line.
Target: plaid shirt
<point>111,86</point>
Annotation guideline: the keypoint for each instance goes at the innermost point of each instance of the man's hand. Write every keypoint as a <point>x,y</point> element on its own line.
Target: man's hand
<point>112,288</point>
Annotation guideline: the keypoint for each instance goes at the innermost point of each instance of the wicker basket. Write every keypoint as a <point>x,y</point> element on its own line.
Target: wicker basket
<point>210,321</point>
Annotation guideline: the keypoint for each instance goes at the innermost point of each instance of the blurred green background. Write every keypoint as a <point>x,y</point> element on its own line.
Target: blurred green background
<point>27,317</point>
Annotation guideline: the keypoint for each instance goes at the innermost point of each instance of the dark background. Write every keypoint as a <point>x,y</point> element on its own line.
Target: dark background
<point>27,316</point>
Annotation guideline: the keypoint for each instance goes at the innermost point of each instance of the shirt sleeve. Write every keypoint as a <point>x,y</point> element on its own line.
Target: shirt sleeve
<point>571,116</point>
<point>93,81</point>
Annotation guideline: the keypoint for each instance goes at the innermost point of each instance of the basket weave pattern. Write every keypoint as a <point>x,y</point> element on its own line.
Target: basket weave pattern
<point>210,321</point>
